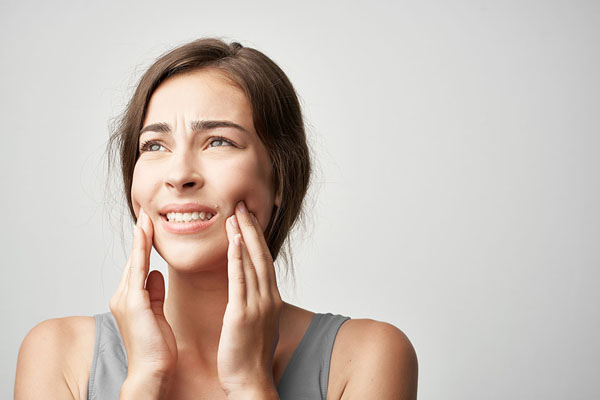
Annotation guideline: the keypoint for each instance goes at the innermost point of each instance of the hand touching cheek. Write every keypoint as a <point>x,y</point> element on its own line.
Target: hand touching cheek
<point>250,331</point>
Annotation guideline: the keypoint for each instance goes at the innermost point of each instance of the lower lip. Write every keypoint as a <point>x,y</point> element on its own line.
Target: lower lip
<point>185,227</point>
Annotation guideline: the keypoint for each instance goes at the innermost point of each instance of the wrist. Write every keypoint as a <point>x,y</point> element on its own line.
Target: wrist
<point>255,393</point>
<point>146,387</point>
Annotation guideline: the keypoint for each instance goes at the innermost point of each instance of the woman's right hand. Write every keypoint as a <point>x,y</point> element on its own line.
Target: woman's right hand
<point>138,311</point>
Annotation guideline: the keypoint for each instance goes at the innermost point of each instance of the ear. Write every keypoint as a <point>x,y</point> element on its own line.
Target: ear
<point>278,199</point>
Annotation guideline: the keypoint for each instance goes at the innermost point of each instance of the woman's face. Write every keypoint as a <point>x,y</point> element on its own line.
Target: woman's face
<point>182,162</point>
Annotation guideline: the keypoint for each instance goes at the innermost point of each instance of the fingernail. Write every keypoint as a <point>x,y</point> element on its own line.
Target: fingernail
<point>242,207</point>
<point>234,221</point>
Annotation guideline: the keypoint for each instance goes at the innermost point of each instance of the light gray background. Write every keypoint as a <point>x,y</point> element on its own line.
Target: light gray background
<point>457,192</point>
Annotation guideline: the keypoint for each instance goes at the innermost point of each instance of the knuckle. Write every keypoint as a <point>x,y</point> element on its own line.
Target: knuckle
<point>247,221</point>
<point>238,317</point>
<point>265,257</point>
<point>138,252</point>
<point>113,303</point>
<point>253,314</point>
<point>243,318</point>
<point>276,302</point>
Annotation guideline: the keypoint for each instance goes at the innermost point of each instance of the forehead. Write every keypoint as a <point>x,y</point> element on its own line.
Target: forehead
<point>200,94</point>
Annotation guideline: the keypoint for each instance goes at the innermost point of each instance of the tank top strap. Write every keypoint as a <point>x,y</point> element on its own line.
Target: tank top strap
<point>109,364</point>
<point>305,377</point>
<point>307,374</point>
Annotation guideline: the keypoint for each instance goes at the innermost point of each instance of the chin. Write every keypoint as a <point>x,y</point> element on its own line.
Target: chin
<point>194,256</point>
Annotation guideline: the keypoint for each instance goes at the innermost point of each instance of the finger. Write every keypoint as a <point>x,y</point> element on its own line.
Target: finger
<point>231,227</point>
<point>252,281</point>
<point>235,272</point>
<point>248,268</point>
<point>124,274</point>
<point>271,280</point>
<point>156,290</point>
<point>127,270</point>
<point>272,275</point>
<point>257,249</point>
<point>148,228</point>
<point>139,262</point>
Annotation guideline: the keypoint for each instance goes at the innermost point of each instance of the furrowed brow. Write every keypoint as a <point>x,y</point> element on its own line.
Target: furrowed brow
<point>195,126</point>
<point>160,127</point>
<point>207,125</point>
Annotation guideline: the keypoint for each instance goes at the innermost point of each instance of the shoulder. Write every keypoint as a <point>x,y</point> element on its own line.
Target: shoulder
<point>55,355</point>
<point>381,362</point>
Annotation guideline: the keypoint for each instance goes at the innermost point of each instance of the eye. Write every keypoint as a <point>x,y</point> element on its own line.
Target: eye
<point>147,145</point>
<point>220,140</point>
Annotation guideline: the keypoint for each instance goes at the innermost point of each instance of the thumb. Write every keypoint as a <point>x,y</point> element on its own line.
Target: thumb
<point>155,285</point>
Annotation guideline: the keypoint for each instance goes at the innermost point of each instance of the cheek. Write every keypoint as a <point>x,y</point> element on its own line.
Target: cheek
<point>251,184</point>
<point>141,186</point>
<point>247,181</point>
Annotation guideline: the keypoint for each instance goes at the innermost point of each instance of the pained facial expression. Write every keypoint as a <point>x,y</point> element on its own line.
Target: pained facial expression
<point>188,165</point>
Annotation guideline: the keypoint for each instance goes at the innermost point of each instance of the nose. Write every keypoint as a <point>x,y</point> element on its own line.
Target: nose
<point>183,173</point>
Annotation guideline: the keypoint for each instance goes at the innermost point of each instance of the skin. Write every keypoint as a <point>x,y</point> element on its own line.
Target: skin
<point>206,312</point>
<point>215,334</point>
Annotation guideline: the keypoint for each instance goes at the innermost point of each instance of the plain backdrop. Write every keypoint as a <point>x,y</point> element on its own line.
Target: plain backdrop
<point>456,192</point>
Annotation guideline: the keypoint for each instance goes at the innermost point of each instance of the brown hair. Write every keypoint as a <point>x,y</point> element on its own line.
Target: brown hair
<point>276,115</point>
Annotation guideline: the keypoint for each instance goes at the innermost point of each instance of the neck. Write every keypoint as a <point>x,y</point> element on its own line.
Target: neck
<point>194,308</point>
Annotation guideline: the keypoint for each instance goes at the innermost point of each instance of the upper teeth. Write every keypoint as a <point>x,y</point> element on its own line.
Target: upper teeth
<point>187,217</point>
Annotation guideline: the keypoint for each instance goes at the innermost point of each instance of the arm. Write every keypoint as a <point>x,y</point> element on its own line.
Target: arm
<point>42,365</point>
<point>41,362</point>
<point>386,367</point>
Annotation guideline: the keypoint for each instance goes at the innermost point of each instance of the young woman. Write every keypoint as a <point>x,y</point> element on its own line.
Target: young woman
<point>215,168</point>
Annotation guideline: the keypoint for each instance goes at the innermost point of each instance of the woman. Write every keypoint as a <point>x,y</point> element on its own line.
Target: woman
<point>215,168</point>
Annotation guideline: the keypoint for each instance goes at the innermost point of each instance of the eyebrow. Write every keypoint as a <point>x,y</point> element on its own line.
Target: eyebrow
<point>195,126</point>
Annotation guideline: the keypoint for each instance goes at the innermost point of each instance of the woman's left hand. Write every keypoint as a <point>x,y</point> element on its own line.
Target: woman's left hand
<point>250,329</point>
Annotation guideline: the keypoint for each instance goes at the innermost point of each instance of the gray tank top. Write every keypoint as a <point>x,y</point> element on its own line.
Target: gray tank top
<point>305,377</point>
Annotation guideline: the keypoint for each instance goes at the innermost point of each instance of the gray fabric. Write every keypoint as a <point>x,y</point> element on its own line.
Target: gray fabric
<point>109,364</point>
<point>307,374</point>
<point>305,377</point>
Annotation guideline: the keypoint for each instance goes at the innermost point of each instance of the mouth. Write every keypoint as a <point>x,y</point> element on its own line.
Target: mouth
<point>186,223</point>
<point>187,217</point>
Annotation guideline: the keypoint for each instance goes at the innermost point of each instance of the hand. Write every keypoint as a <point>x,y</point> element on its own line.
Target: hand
<point>250,329</point>
<point>138,311</point>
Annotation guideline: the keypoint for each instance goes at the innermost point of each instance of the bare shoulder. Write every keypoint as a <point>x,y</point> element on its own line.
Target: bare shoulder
<point>376,359</point>
<point>54,357</point>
